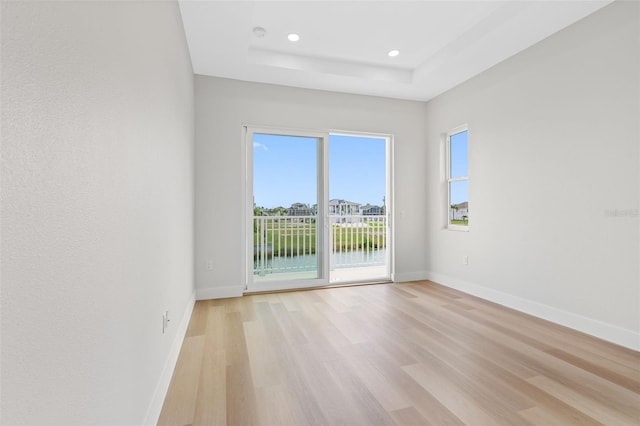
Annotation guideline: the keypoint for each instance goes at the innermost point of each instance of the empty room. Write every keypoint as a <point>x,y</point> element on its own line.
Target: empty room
<point>320,212</point>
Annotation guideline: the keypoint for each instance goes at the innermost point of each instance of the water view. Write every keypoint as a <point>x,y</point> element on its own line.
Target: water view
<point>309,262</point>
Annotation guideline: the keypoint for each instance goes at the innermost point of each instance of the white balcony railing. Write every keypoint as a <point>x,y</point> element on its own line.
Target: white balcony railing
<point>284,244</point>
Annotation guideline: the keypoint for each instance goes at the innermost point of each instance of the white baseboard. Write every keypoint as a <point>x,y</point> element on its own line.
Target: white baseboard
<point>401,277</point>
<point>612,333</point>
<point>218,292</point>
<point>153,412</point>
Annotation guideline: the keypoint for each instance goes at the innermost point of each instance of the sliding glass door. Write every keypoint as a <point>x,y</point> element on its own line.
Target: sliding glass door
<point>297,235</point>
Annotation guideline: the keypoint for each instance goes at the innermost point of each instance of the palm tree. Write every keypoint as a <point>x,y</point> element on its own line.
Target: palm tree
<point>454,208</point>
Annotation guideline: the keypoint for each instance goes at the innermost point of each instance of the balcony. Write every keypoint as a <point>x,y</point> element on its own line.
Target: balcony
<point>287,247</point>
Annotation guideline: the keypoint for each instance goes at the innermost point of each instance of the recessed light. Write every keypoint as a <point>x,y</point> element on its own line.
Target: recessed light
<point>259,32</point>
<point>393,53</point>
<point>293,37</point>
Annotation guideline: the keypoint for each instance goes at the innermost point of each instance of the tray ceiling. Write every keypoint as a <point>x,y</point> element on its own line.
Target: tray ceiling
<point>343,45</point>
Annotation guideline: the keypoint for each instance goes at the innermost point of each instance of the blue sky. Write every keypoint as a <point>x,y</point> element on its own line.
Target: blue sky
<point>459,166</point>
<point>285,170</point>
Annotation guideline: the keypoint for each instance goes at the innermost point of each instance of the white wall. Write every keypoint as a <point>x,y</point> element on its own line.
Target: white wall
<point>97,208</point>
<point>222,106</point>
<point>554,135</point>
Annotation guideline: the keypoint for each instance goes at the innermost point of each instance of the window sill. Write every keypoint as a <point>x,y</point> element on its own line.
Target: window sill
<point>457,228</point>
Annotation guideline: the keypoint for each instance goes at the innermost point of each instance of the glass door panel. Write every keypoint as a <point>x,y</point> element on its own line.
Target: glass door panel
<point>358,212</point>
<point>287,187</point>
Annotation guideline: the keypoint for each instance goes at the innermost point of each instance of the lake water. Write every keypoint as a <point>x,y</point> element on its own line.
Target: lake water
<point>309,262</point>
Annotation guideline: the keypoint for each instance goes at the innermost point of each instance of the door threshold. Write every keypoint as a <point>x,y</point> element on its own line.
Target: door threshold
<point>335,285</point>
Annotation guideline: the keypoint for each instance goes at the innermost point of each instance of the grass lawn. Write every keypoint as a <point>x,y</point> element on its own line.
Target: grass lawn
<point>464,222</point>
<point>290,240</point>
<point>300,238</point>
<point>344,238</point>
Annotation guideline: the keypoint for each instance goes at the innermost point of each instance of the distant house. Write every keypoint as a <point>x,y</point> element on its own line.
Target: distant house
<point>369,210</point>
<point>300,209</point>
<point>462,211</point>
<point>343,207</point>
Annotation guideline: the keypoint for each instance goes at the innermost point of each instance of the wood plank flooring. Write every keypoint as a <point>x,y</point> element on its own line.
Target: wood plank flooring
<point>393,354</point>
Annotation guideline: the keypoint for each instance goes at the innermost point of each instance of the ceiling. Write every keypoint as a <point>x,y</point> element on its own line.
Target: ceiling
<point>343,45</point>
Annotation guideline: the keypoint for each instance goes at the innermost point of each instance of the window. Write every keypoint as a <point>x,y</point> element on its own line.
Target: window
<point>458,178</point>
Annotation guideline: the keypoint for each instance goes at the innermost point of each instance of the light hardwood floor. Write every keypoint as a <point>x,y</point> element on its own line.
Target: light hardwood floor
<point>406,354</point>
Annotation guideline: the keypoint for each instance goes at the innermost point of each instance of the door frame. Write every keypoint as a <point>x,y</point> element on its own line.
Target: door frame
<point>323,226</point>
<point>322,230</point>
<point>389,202</point>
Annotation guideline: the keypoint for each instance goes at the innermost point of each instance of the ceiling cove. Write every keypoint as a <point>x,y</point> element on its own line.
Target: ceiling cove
<point>344,46</point>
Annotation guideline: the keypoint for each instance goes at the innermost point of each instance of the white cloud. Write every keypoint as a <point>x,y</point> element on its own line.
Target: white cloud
<point>260,145</point>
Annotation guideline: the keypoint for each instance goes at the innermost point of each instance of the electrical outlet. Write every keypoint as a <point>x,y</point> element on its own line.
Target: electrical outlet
<point>465,260</point>
<point>209,265</point>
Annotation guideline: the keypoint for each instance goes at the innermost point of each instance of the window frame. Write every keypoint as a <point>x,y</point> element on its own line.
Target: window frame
<point>449,180</point>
